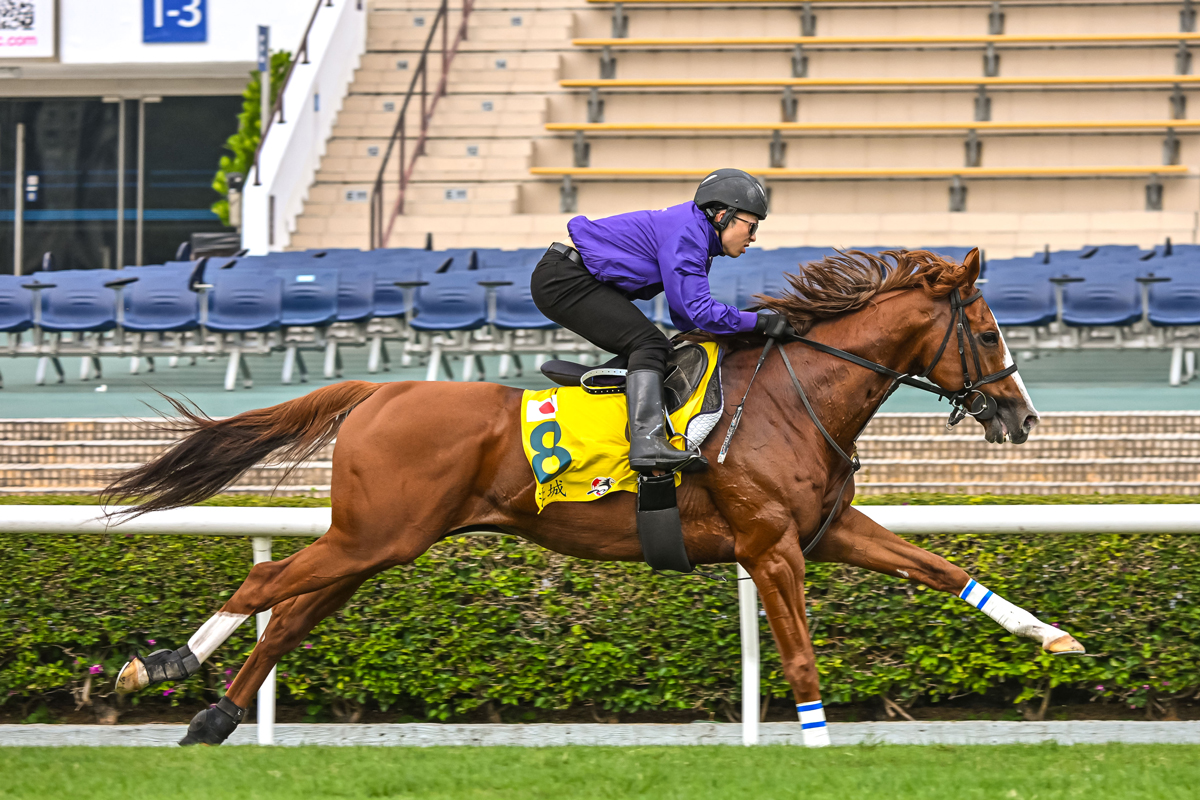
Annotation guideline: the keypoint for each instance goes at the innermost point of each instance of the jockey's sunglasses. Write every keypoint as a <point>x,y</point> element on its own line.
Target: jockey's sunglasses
<point>753,225</point>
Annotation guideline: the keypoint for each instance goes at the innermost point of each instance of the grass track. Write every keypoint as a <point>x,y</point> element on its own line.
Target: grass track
<point>1047,772</point>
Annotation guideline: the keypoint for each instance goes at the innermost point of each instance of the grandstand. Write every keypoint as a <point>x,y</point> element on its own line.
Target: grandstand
<point>1010,126</point>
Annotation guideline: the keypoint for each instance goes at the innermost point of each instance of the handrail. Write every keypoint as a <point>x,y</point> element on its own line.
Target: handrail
<point>746,83</point>
<point>1166,170</point>
<point>818,41</point>
<point>277,106</point>
<point>1047,125</point>
<point>380,234</point>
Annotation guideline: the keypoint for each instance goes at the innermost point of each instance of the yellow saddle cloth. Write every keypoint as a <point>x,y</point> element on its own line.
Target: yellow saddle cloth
<point>576,442</point>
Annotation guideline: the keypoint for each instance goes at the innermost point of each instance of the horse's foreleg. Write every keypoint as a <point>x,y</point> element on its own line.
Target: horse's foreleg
<point>290,622</point>
<point>331,559</point>
<point>778,573</point>
<point>854,538</point>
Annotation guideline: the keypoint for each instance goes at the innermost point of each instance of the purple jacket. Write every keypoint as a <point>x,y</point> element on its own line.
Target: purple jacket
<point>643,253</point>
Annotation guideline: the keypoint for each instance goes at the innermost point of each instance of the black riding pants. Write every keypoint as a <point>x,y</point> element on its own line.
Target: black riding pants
<point>571,296</point>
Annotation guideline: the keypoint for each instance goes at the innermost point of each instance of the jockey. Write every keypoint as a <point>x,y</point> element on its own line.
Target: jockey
<point>589,289</point>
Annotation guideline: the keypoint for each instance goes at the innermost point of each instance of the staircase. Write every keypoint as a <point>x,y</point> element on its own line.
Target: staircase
<point>469,186</point>
<point>1104,453</point>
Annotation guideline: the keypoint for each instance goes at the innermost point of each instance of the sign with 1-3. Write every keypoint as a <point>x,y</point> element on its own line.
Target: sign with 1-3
<point>174,21</point>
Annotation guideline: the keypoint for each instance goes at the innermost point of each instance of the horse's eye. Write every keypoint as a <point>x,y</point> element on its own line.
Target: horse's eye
<point>990,338</point>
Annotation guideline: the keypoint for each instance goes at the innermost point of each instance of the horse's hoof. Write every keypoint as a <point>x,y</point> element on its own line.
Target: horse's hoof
<point>133,676</point>
<point>1064,645</point>
<point>213,725</point>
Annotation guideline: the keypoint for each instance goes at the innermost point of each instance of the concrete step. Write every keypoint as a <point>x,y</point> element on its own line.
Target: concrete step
<point>26,478</point>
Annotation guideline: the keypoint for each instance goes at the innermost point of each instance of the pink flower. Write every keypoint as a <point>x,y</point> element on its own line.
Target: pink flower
<point>1145,686</point>
<point>95,669</point>
<point>151,641</point>
<point>1099,688</point>
<point>1055,624</point>
<point>307,646</point>
<point>168,692</point>
<point>283,674</point>
<point>228,672</point>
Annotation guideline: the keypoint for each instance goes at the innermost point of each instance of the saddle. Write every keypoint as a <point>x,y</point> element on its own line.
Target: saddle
<point>686,368</point>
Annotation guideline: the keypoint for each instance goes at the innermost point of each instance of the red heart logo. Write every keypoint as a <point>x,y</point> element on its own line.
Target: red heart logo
<point>547,408</point>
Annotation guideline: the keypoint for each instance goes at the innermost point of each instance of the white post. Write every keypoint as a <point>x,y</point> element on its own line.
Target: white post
<point>266,692</point>
<point>748,614</point>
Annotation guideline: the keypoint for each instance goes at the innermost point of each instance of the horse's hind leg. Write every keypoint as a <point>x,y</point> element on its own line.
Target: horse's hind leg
<point>857,539</point>
<point>291,621</point>
<point>334,557</point>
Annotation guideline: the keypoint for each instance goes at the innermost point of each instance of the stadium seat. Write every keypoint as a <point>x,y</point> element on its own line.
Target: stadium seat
<point>310,296</point>
<point>453,301</point>
<point>461,258</point>
<point>16,304</point>
<point>244,300</point>
<point>355,295</point>
<point>1177,301</point>
<point>515,309</point>
<point>1109,293</point>
<point>521,260</point>
<point>162,300</point>
<point>80,301</point>
<point>1019,292</point>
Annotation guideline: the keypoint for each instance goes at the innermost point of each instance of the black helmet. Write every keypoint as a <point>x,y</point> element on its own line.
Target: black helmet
<point>731,188</point>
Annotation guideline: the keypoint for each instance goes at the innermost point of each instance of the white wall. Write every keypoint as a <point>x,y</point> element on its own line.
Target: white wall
<point>110,31</point>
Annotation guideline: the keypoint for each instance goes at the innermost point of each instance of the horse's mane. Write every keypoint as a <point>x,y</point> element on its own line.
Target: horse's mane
<point>849,279</point>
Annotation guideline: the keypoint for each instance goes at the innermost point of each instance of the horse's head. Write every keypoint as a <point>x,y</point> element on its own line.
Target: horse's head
<point>968,351</point>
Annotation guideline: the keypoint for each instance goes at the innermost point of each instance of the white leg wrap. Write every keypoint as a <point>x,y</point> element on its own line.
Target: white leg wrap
<point>812,724</point>
<point>1013,619</point>
<point>213,634</point>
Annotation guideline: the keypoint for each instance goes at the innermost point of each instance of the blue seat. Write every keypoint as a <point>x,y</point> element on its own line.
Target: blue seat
<point>1114,252</point>
<point>310,296</point>
<point>453,301</point>
<point>244,300</point>
<point>80,301</point>
<point>1019,292</point>
<point>462,258</point>
<point>515,309</point>
<point>523,260</point>
<point>956,254</point>
<point>1109,293</point>
<point>162,299</point>
<point>16,304</point>
<point>1176,302</point>
<point>723,283</point>
<point>355,295</point>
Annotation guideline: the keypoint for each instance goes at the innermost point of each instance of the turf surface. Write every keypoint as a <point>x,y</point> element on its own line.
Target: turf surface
<point>1048,771</point>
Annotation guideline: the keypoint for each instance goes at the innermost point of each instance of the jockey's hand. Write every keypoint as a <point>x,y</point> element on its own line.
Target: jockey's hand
<point>776,326</point>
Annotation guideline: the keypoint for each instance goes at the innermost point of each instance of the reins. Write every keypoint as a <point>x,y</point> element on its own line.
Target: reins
<point>966,401</point>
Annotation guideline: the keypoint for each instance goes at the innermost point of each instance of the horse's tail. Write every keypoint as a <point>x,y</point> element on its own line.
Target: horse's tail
<point>215,452</point>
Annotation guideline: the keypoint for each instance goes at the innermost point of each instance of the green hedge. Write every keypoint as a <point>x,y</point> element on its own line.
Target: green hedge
<point>493,619</point>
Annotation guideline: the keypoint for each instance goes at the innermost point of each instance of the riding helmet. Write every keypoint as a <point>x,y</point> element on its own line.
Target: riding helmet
<point>731,188</point>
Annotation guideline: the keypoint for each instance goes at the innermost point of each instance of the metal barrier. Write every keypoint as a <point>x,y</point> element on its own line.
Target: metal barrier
<point>381,228</point>
<point>262,524</point>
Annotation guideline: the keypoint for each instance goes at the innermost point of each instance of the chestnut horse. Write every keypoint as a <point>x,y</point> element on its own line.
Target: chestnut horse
<point>416,462</point>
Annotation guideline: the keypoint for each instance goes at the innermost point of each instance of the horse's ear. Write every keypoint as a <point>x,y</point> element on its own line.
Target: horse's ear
<point>971,262</point>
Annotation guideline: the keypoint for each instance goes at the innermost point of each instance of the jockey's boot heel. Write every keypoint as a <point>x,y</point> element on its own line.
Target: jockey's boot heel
<point>214,724</point>
<point>648,445</point>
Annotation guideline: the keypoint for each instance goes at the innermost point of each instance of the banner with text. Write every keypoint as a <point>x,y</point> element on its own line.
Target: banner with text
<point>26,28</point>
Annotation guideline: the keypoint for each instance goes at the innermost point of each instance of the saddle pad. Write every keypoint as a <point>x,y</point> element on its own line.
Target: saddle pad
<point>577,444</point>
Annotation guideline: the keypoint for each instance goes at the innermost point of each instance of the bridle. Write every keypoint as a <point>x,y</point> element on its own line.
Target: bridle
<point>969,400</point>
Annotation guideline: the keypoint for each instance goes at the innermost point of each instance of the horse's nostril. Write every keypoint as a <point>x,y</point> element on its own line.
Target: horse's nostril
<point>1030,421</point>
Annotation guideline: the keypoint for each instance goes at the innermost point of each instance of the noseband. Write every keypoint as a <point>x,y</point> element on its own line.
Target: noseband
<point>969,400</point>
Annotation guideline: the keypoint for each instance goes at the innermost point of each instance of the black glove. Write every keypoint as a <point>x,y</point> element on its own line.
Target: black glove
<point>775,326</point>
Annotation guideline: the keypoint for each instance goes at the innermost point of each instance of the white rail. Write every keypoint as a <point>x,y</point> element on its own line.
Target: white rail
<point>261,524</point>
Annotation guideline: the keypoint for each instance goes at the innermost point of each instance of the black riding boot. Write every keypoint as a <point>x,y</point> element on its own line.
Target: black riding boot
<point>648,445</point>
